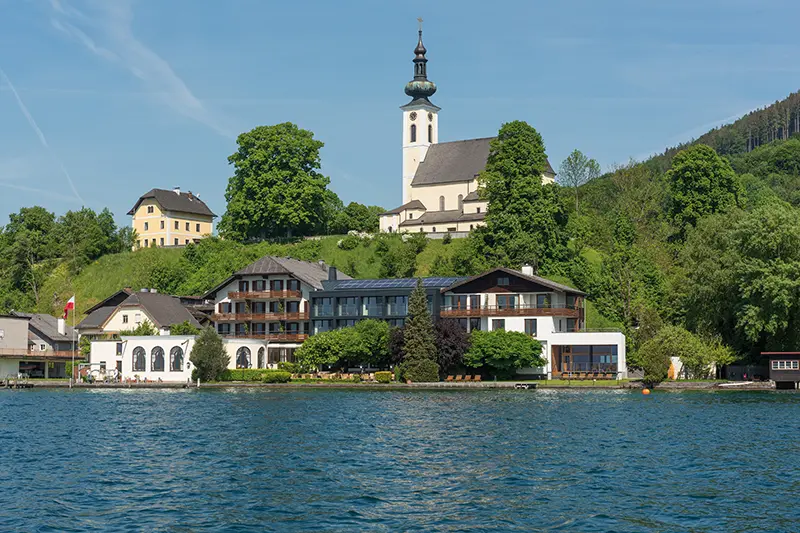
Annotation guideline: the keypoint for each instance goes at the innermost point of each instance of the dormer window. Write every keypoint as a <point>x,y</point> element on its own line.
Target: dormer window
<point>149,209</point>
<point>503,281</point>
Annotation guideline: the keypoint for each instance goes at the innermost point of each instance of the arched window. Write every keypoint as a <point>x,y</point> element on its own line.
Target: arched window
<point>176,359</point>
<point>441,203</point>
<point>413,133</point>
<point>434,229</point>
<point>243,357</point>
<point>470,227</point>
<point>157,359</point>
<point>389,229</point>
<point>261,358</point>
<point>430,133</point>
<point>460,202</point>
<point>139,359</point>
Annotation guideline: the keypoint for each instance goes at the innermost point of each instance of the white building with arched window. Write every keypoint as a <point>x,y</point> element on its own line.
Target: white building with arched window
<point>440,180</point>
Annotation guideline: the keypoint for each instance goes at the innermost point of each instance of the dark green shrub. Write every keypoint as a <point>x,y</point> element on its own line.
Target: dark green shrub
<point>292,368</point>
<point>418,371</point>
<point>356,378</point>
<point>276,376</point>
<point>655,361</point>
<point>350,242</point>
<point>383,377</point>
<point>447,239</point>
<point>241,374</point>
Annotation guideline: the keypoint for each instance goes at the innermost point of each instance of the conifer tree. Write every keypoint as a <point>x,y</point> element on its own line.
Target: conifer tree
<point>419,343</point>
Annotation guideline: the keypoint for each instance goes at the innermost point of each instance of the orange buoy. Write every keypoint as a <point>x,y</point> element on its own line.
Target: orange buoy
<point>645,391</point>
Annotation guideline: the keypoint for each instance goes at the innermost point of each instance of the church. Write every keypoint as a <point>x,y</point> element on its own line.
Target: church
<point>440,180</point>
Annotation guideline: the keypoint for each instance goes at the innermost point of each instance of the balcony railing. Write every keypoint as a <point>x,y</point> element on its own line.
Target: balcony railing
<point>258,317</point>
<point>349,310</point>
<point>263,295</point>
<point>49,354</point>
<point>571,311</point>
<point>287,337</point>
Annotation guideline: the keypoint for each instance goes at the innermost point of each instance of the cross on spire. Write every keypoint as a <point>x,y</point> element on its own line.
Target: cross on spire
<point>419,19</point>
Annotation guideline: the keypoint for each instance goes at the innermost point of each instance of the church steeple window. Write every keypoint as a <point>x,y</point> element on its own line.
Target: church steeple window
<point>413,133</point>
<point>430,133</point>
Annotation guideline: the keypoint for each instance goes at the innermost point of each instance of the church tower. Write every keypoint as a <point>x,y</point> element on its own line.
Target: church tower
<point>420,118</point>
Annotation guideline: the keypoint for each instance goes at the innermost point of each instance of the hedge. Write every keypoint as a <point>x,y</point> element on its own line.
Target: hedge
<point>276,376</point>
<point>383,377</point>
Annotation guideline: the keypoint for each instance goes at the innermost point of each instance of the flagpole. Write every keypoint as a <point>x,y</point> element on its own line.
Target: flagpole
<point>73,341</point>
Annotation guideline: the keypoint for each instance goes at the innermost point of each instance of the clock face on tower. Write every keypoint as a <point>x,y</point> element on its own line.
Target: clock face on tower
<point>430,117</point>
<point>413,115</point>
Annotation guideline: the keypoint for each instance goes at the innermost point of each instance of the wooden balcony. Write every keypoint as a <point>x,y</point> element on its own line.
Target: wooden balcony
<point>258,317</point>
<point>264,295</point>
<point>32,354</point>
<point>272,337</point>
<point>518,310</point>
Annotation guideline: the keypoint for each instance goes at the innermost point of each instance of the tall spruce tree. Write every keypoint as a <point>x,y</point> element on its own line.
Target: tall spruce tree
<point>419,342</point>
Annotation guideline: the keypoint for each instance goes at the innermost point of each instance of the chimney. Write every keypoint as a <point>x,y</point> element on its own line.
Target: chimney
<point>176,190</point>
<point>332,273</point>
<point>527,270</point>
<point>62,328</point>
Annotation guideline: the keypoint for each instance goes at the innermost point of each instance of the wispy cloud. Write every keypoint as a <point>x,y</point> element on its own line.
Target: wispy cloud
<point>14,170</point>
<point>39,133</point>
<point>105,29</point>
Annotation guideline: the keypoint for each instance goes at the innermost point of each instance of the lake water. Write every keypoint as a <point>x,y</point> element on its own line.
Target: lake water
<point>350,460</point>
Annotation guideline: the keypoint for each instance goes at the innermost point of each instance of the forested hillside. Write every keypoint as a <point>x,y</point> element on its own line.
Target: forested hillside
<point>778,121</point>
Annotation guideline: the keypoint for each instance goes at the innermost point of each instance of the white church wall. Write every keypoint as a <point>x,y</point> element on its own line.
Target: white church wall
<point>430,195</point>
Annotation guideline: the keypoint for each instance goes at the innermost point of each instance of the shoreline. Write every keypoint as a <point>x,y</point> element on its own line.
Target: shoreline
<point>667,386</point>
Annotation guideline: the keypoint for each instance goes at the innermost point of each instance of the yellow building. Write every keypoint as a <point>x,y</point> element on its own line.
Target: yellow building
<point>170,218</point>
<point>440,180</point>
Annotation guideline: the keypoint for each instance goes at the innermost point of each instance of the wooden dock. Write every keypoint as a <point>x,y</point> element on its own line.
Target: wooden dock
<point>12,382</point>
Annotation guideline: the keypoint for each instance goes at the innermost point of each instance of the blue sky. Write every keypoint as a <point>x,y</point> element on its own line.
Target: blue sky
<point>101,100</point>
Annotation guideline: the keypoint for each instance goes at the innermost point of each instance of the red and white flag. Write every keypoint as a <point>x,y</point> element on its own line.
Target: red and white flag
<point>69,307</point>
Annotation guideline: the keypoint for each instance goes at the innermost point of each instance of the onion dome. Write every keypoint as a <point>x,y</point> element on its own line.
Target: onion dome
<point>420,87</point>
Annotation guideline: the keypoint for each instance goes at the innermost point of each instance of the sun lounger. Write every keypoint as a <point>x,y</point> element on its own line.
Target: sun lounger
<point>459,377</point>
<point>477,378</point>
<point>468,378</point>
<point>450,378</point>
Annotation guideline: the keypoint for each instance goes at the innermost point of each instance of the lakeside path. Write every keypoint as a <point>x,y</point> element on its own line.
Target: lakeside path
<point>442,385</point>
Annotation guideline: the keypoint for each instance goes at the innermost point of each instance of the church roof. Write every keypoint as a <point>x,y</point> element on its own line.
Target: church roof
<point>413,204</point>
<point>444,217</point>
<point>456,161</point>
<point>472,197</point>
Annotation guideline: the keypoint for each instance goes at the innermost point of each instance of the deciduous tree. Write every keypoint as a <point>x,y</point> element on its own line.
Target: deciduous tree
<point>209,356</point>
<point>576,170</point>
<point>503,352</point>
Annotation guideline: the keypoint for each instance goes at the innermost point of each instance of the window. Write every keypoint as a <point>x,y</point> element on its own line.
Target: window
<point>498,323</point>
<point>322,306</point>
<point>157,359</point>
<point>139,359</point>
<point>293,307</point>
<point>543,301</point>
<point>321,326</point>
<point>177,225</point>
<point>224,307</point>
<point>293,285</point>
<point>102,366</point>
<point>571,301</point>
<point>186,241</point>
<point>150,209</point>
<point>197,228</point>
<point>507,302</point>
<point>397,305</point>
<point>372,306</point>
<point>347,306</point>
<point>503,281</point>
<point>162,224</point>
<point>785,365</point>
<point>434,229</point>
<point>470,227</point>
<point>258,285</point>
<point>413,133</point>
<point>292,328</point>
<point>259,328</point>
<point>43,347</point>
<point>240,307</point>
<point>124,319</point>
<point>410,216</point>
<point>244,286</point>
<point>347,323</point>
<point>261,362</point>
<point>162,241</point>
<point>187,226</point>
<point>460,202</point>
<point>119,348</point>
<point>146,226</point>
<point>430,133</point>
<point>243,357</point>
<point>477,209</point>
<point>474,324</point>
<point>475,301</point>
<point>224,329</point>
<point>530,327</point>
<point>276,285</point>
<point>441,203</point>
<point>176,359</point>
<point>146,243</point>
<point>572,324</point>
<point>176,242</point>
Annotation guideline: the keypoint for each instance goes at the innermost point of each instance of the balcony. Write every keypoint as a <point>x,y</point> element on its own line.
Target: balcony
<point>264,295</point>
<point>258,317</point>
<point>32,354</point>
<point>516,310</point>
<point>276,337</point>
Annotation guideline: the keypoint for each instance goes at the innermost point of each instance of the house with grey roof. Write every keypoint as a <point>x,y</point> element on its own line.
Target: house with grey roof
<point>35,344</point>
<point>170,218</point>
<point>440,179</point>
<point>262,310</point>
